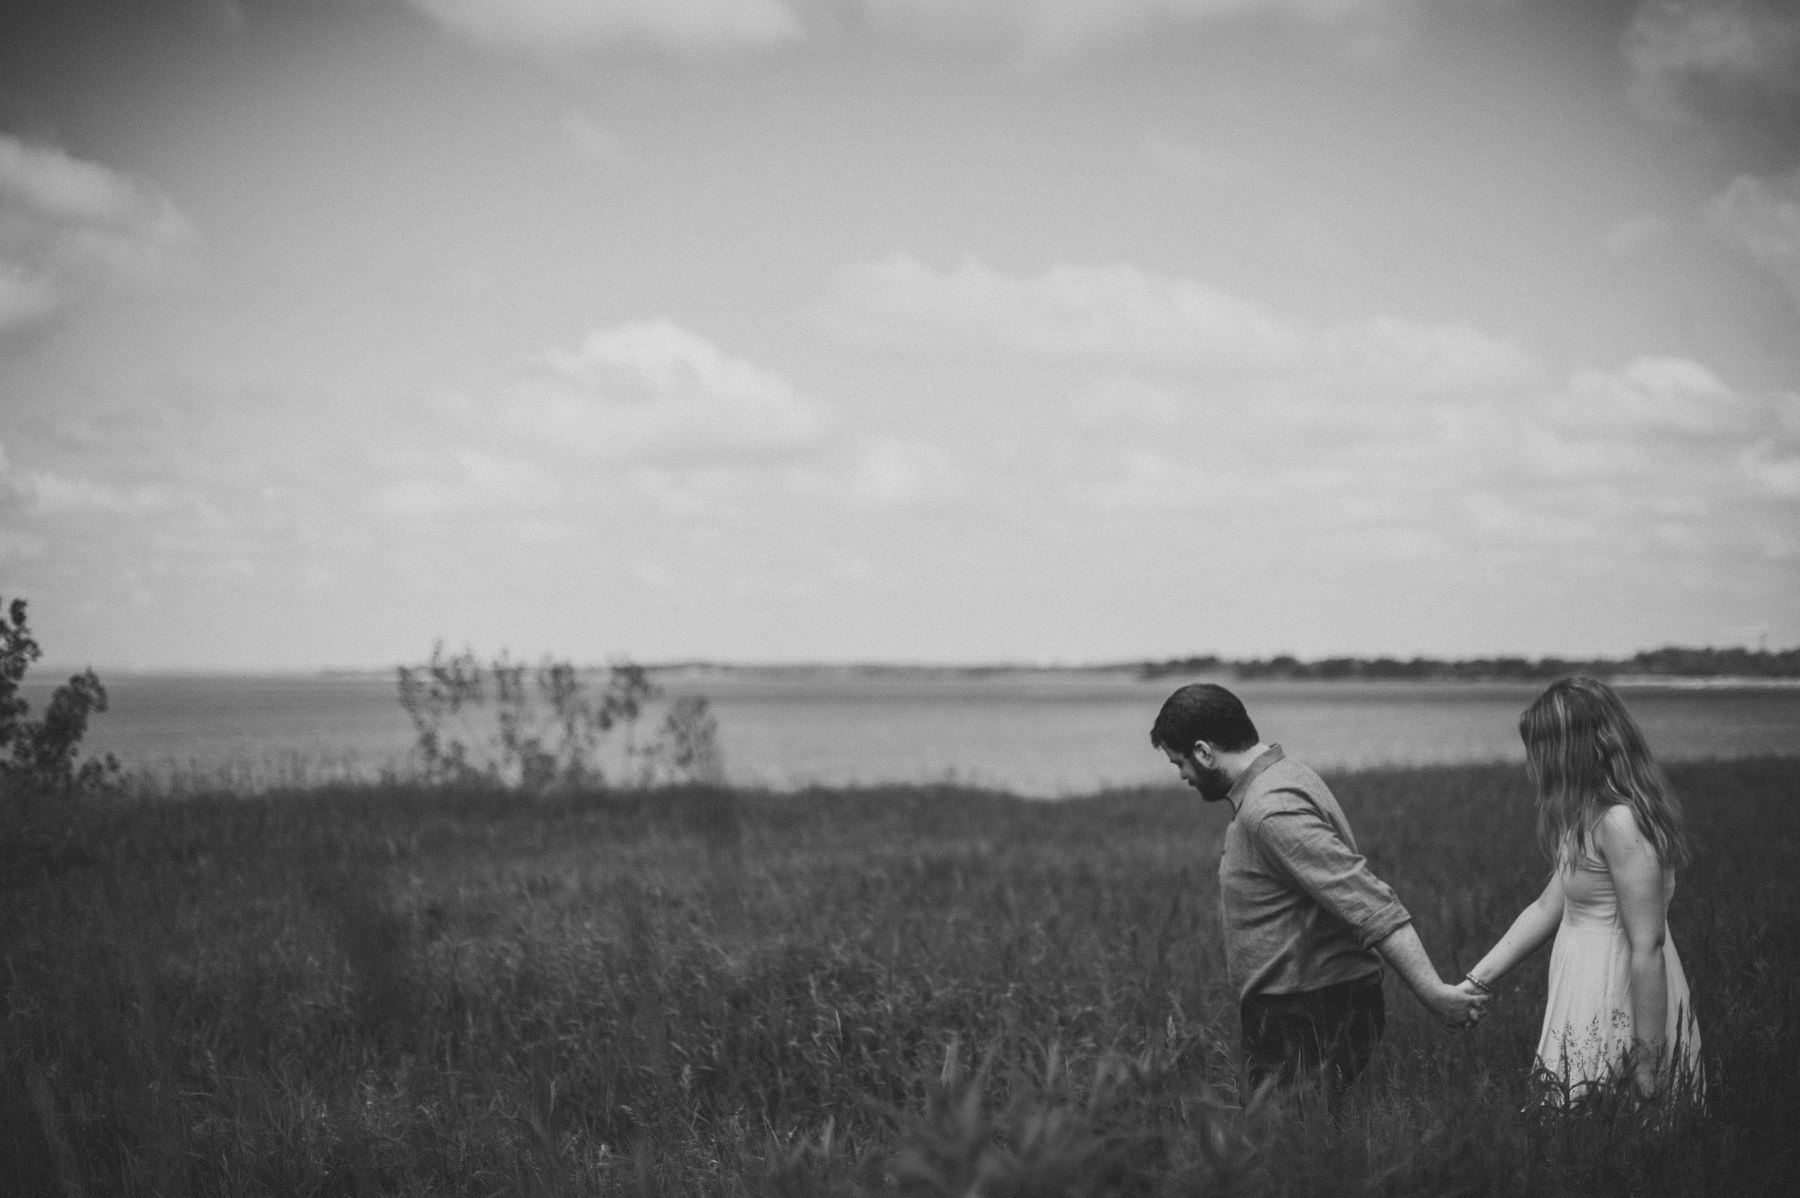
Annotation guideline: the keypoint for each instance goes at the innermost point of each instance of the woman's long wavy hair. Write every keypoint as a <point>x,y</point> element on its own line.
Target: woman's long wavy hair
<point>1586,753</point>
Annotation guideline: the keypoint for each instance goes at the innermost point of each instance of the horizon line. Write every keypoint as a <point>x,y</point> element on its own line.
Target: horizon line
<point>1172,662</point>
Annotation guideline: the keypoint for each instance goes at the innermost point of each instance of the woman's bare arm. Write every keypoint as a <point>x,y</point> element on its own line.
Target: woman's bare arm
<point>1637,876</point>
<point>1534,925</point>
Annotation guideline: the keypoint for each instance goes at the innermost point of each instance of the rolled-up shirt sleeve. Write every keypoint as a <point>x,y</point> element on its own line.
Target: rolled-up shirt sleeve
<point>1316,859</point>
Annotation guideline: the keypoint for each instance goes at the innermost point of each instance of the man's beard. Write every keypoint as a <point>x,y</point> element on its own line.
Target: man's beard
<point>1212,783</point>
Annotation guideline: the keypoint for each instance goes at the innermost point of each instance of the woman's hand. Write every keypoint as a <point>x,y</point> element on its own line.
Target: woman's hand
<point>1646,1071</point>
<point>1461,1005</point>
<point>1403,952</point>
<point>1533,928</point>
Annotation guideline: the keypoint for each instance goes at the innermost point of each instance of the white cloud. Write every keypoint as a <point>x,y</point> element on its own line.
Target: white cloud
<point>1125,401</point>
<point>52,492</point>
<point>1036,25</point>
<point>1659,450</point>
<point>1137,478</point>
<point>589,140</point>
<point>1400,358</point>
<point>469,481</point>
<point>1787,414</point>
<point>18,545</point>
<point>1509,520</point>
<point>1068,311</point>
<point>1638,235</point>
<point>657,578</point>
<point>1389,434</point>
<point>227,17</point>
<point>1122,314</point>
<point>1552,455</point>
<point>585,24</point>
<point>1762,217</point>
<point>46,492</point>
<point>641,413</point>
<point>70,229</point>
<point>1683,53</point>
<point>1064,24</point>
<point>420,497</point>
<point>1775,473</point>
<point>25,298</point>
<point>1184,397</point>
<point>846,473</point>
<point>650,392</point>
<point>1650,396</point>
<point>890,471</point>
<point>1772,463</point>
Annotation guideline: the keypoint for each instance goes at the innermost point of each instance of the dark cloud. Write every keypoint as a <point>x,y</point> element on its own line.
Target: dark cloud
<point>70,229</point>
<point>1762,218</point>
<point>1732,65</point>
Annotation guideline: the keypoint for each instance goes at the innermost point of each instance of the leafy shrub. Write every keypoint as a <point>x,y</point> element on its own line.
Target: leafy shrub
<point>540,728</point>
<point>39,755</point>
<point>686,748</point>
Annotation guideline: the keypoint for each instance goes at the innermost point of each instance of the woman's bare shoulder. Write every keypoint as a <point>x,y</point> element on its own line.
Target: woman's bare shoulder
<point>1617,831</point>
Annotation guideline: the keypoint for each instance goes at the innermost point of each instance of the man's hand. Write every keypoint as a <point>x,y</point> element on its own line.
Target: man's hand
<point>1461,1005</point>
<point>1454,1006</point>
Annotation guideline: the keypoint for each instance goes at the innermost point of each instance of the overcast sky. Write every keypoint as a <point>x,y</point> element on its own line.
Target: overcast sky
<point>917,330</point>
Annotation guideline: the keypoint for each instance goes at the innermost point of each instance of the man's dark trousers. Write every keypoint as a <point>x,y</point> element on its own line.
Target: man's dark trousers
<point>1328,1034</point>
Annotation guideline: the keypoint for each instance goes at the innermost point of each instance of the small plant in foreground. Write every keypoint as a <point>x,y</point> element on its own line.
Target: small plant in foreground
<point>1048,1138</point>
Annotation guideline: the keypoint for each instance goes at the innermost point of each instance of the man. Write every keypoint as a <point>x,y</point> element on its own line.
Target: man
<point>1307,924</point>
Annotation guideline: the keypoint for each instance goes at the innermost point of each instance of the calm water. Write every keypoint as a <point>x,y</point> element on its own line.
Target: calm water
<point>1033,733</point>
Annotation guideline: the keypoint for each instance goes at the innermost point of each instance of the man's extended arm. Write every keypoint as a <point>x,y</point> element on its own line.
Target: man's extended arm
<point>1453,1006</point>
<point>1334,875</point>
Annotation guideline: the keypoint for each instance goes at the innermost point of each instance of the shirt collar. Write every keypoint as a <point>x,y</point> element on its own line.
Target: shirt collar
<point>1269,757</point>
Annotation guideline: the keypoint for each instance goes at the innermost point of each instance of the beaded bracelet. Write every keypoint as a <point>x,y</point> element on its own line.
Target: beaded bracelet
<point>1478,984</point>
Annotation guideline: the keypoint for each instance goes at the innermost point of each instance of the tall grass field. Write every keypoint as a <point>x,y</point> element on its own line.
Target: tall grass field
<point>363,990</point>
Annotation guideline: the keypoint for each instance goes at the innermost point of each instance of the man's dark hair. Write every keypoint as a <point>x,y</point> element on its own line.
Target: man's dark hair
<point>1203,711</point>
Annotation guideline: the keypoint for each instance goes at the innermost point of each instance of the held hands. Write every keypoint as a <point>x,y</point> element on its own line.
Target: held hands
<point>1459,1006</point>
<point>1454,1006</point>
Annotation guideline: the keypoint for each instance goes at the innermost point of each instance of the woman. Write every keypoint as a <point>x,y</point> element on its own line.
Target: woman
<point>1618,1012</point>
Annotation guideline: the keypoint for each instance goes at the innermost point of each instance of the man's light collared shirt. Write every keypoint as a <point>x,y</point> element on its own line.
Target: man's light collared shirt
<point>1301,908</point>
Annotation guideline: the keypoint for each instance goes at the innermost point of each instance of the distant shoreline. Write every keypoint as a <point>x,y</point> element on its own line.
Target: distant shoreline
<point>1138,673</point>
<point>1669,666</point>
<point>49,679</point>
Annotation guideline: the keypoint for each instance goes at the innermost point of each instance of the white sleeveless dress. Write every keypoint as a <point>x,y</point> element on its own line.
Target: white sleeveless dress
<point>1588,1025</point>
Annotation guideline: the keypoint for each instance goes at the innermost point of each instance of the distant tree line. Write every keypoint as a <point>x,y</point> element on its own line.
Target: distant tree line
<point>1668,662</point>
